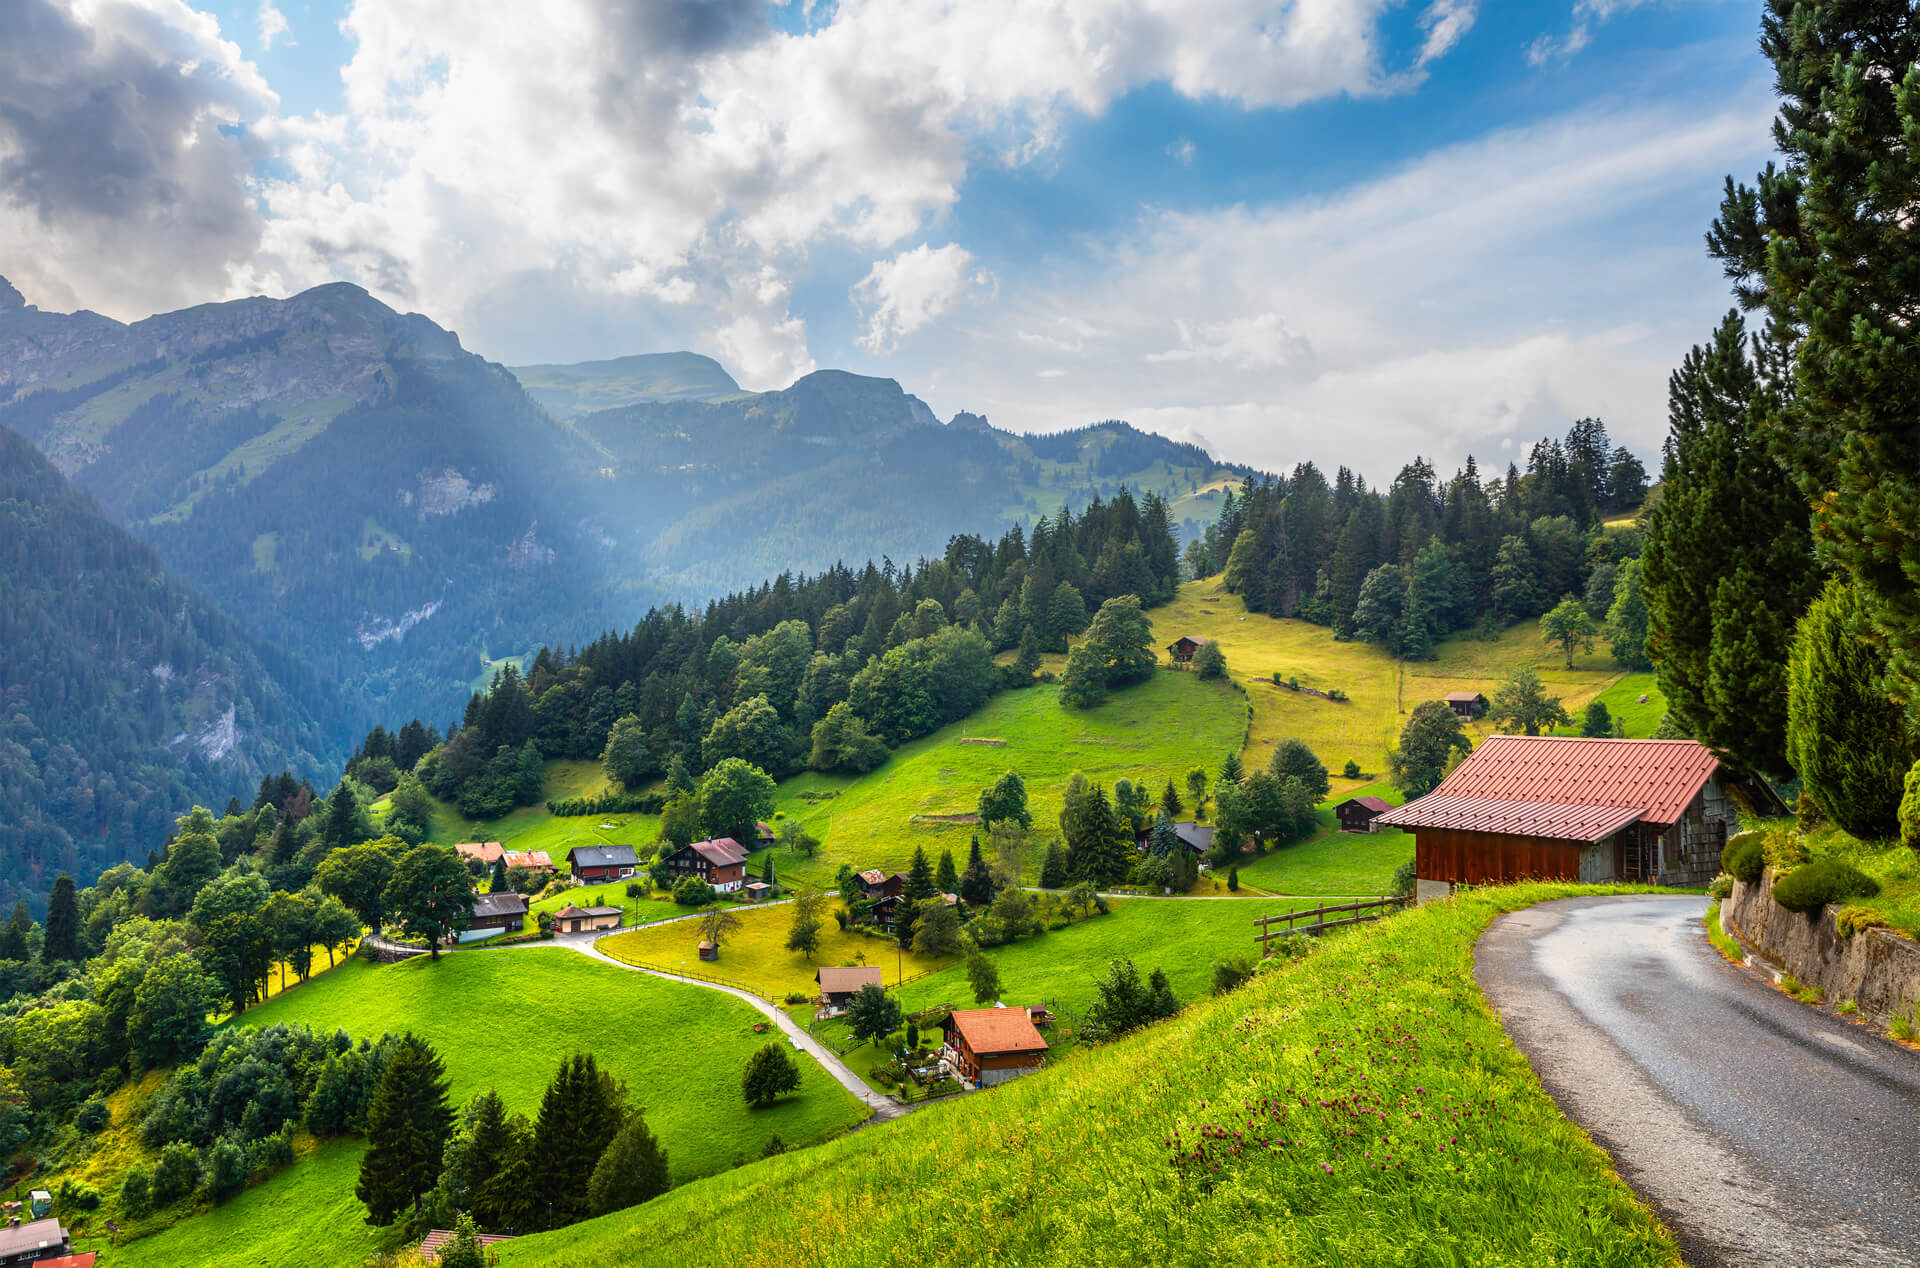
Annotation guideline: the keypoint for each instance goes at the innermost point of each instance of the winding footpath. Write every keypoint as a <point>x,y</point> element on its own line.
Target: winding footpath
<point>1763,1131</point>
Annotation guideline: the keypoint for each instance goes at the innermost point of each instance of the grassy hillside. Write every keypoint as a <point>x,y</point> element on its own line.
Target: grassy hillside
<point>1382,690</point>
<point>926,792</point>
<point>1359,1106</point>
<point>505,1019</point>
<point>1332,862</point>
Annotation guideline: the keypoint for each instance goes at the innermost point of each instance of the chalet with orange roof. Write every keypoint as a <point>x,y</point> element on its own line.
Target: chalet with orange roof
<point>986,1046</point>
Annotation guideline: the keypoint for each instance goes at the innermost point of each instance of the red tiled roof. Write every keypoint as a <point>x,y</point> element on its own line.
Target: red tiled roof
<point>873,876</point>
<point>1555,820</point>
<point>989,1030</point>
<point>720,852</point>
<point>439,1237</point>
<point>485,851</point>
<point>82,1260</point>
<point>1374,804</point>
<point>1659,778</point>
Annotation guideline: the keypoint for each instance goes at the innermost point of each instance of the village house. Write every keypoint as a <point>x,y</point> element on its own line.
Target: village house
<point>887,910</point>
<point>1181,650</point>
<point>1197,837</point>
<point>495,914</point>
<point>596,863</point>
<point>532,860</point>
<point>586,919</point>
<point>764,835</point>
<point>1547,808</point>
<point>986,1046</point>
<point>24,1244</point>
<point>840,983</point>
<point>1466,704</point>
<point>485,853</point>
<point>721,863</point>
<point>876,884</point>
<point>1357,814</point>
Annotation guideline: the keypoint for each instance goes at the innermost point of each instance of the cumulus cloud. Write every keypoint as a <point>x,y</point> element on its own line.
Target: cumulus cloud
<point>901,295</point>
<point>1471,297</point>
<point>123,163</point>
<point>273,24</point>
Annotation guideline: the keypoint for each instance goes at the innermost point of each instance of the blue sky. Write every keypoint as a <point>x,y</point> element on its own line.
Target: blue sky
<point>1340,230</point>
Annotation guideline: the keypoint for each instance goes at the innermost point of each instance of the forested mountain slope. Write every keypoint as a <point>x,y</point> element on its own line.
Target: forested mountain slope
<point>360,491</point>
<point>127,696</point>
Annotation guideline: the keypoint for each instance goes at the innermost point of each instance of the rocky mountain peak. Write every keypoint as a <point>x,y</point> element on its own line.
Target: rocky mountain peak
<point>11,300</point>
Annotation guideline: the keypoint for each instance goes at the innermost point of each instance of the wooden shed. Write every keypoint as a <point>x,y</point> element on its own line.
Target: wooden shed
<point>1181,650</point>
<point>709,950</point>
<point>1357,814</point>
<point>586,919</point>
<point>1466,704</point>
<point>1547,808</point>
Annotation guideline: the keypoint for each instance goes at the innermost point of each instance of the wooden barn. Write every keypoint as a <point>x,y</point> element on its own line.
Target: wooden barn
<point>721,863</point>
<point>596,864</point>
<point>1466,704</point>
<point>1357,814</point>
<point>840,983</point>
<point>1181,650</point>
<point>1543,807</point>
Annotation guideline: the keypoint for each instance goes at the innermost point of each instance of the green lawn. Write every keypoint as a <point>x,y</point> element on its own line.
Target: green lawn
<point>532,828</point>
<point>505,1020</point>
<point>757,957</point>
<point>613,894</point>
<point>1359,1106</point>
<point>1332,861</point>
<point>1622,699</point>
<point>304,1215</point>
<point>1153,731</point>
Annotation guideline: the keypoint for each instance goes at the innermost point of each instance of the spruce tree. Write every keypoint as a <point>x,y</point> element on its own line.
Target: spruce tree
<point>497,884</point>
<point>13,940</point>
<point>1729,564</point>
<point>946,878</point>
<point>1053,869</point>
<point>632,1170</point>
<point>496,1164</point>
<point>919,877</point>
<point>976,883</point>
<point>1231,771</point>
<point>1170,804</point>
<point>63,922</point>
<point>581,1111</point>
<point>408,1124</point>
<point>1845,737</point>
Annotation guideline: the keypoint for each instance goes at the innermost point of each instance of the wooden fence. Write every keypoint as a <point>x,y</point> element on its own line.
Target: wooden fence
<point>1315,920</point>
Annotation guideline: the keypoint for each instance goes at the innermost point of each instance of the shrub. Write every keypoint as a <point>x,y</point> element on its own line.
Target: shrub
<point>1209,661</point>
<point>1231,973</point>
<point>693,892</point>
<point>1850,920</point>
<point>226,1169</point>
<point>134,1193</point>
<point>176,1174</point>
<point>1812,886</point>
<point>73,1195</point>
<point>1720,886</point>
<point>1403,879</point>
<point>1846,1008</point>
<point>1743,857</point>
<point>1902,1027</point>
<point>1784,850</point>
<point>1233,880</point>
<point>1910,809</point>
<point>1352,770</point>
<point>92,1116</point>
<point>1334,693</point>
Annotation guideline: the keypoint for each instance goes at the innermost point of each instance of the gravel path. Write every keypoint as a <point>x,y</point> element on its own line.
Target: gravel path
<point>1763,1131</point>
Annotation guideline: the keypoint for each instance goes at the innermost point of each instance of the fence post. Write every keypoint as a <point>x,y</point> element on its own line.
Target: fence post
<point>1320,917</point>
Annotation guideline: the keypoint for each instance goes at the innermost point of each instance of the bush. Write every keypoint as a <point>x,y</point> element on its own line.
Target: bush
<point>226,1169</point>
<point>93,1116</point>
<point>1403,879</point>
<point>1352,770</point>
<point>1720,887</point>
<point>1812,886</point>
<point>176,1174</point>
<point>134,1192</point>
<point>1743,857</point>
<point>1209,661</point>
<point>1231,973</point>
<point>1910,809</point>
<point>1784,851</point>
<point>1850,920</point>
<point>73,1195</point>
<point>693,892</point>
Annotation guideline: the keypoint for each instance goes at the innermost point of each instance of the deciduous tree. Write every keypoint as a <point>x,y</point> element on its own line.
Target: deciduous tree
<point>1522,704</point>
<point>1427,744</point>
<point>769,1075</point>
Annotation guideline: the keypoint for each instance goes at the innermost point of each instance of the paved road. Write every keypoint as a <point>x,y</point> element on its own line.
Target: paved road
<point>881,1107</point>
<point>1765,1132</point>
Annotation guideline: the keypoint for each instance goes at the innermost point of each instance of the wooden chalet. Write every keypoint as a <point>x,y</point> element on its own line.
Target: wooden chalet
<point>764,835</point>
<point>587,919</point>
<point>721,863</point>
<point>1181,650</point>
<point>430,1248</point>
<point>986,1046</point>
<point>495,914</point>
<point>599,863</point>
<point>1466,704</point>
<point>485,853</point>
<point>876,884</point>
<point>1547,808</point>
<point>532,860</point>
<point>1356,814</point>
<point>29,1243</point>
<point>1197,837</point>
<point>840,983</point>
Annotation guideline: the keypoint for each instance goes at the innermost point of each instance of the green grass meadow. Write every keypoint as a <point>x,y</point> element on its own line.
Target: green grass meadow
<point>505,1020</point>
<point>1332,862</point>
<point>1359,1106</point>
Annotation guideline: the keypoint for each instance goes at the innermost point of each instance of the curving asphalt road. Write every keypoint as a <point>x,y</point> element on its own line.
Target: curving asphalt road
<point>1763,1131</point>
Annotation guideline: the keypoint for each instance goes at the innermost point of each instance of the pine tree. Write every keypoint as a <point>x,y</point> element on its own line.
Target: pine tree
<point>631,1171</point>
<point>1170,803</point>
<point>1053,869</point>
<point>497,883</point>
<point>408,1124</point>
<point>1231,771</point>
<point>1095,840</point>
<point>63,922</point>
<point>976,883</point>
<point>946,879</point>
<point>580,1113</point>
<point>1845,737</point>
<point>499,1165</point>
<point>13,940</point>
<point>919,877</point>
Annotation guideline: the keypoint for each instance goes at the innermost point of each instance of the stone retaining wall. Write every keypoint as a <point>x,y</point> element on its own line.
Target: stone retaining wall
<point>1877,969</point>
<point>379,950</point>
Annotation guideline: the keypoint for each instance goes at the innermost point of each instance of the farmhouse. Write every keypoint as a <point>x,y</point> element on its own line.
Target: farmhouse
<point>876,884</point>
<point>586,919</point>
<point>1181,650</point>
<point>1357,814</point>
<point>838,985</point>
<point>532,860</point>
<point>986,1046</point>
<point>1466,704</point>
<point>763,835</point>
<point>22,1244</point>
<point>483,852</point>
<point>494,914</point>
<point>1542,807</point>
<point>602,862</point>
<point>1197,837</point>
<point>720,863</point>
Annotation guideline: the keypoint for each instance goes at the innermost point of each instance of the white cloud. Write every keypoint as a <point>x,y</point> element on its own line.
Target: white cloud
<point>1181,152</point>
<point>1587,14</point>
<point>906,293</point>
<point>1446,22</point>
<point>1484,293</point>
<point>685,155</point>
<point>273,24</point>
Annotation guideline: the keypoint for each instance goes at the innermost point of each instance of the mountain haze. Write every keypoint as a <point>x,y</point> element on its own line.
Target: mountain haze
<point>566,390</point>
